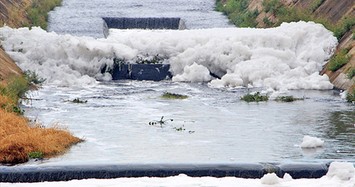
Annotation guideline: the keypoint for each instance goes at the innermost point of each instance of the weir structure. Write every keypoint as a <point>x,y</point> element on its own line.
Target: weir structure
<point>135,71</point>
<point>65,173</point>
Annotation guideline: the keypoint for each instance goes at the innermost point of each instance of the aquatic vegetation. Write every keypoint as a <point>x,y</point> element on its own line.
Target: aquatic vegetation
<point>287,98</point>
<point>256,97</point>
<point>160,122</point>
<point>168,95</point>
<point>79,101</point>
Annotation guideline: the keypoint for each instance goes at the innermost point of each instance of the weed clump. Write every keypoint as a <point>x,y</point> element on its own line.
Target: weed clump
<point>350,97</point>
<point>351,73</point>
<point>168,95</point>
<point>79,101</point>
<point>339,60</point>
<point>238,13</point>
<point>35,155</point>
<point>38,12</point>
<point>256,97</point>
<point>287,99</point>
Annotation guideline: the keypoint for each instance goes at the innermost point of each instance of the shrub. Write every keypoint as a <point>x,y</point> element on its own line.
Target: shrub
<point>32,77</point>
<point>339,60</point>
<point>256,97</point>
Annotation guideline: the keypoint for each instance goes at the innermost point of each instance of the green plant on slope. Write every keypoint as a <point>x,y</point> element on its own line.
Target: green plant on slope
<point>351,73</point>
<point>38,11</point>
<point>238,13</point>
<point>315,4</point>
<point>350,97</point>
<point>339,60</point>
<point>32,77</point>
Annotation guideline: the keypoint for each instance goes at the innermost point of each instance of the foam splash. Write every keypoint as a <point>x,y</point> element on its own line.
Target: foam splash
<point>286,57</point>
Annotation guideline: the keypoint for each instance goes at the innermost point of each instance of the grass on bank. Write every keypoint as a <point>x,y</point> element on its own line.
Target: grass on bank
<point>350,96</point>
<point>238,13</point>
<point>38,12</point>
<point>18,137</point>
<point>338,60</point>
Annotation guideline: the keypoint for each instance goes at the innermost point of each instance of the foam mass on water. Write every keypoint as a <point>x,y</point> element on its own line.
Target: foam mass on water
<point>286,57</point>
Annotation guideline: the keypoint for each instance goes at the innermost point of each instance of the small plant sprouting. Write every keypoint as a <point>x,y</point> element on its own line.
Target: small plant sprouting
<point>256,97</point>
<point>79,101</point>
<point>161,122</point>
<point>35,155</point>
<point>168,95</point>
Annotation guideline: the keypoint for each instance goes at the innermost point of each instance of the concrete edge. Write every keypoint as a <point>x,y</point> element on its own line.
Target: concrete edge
<point>20,174</point>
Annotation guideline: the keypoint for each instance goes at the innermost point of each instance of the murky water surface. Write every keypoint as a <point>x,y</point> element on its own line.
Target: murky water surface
<point>210,126</point>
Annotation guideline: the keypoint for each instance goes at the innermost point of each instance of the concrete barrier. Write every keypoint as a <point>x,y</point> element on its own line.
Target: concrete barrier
<point>142,23</point>
<point>153,72</point>
<point>64,173</point>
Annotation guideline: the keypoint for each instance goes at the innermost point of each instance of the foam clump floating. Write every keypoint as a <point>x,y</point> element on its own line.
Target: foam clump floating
<point>311,142</point>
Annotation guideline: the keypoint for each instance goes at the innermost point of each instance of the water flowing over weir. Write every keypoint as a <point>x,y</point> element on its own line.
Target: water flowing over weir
<point>212,127</point>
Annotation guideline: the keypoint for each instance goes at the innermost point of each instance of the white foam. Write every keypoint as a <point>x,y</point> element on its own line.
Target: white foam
<point>342,170</point>
<point>286,57</point>
<point>270,179</point>
<point>311,142</point>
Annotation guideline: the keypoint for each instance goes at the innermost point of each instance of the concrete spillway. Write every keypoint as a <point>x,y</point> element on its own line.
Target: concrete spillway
<point>155,72</point>
<point>142,23</point>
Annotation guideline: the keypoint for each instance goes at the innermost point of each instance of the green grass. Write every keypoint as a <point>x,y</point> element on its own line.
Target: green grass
<point>238,13</point>
<point>350,97</point>
<point>351,73</point>
<point>168,95</point>
<point>38,12</point>
<point>315,4</point>
<point>32,77</point>
<point>339,60</point>
<point>35,155</point>
<point>256,97</point>
<point>15,88</point>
